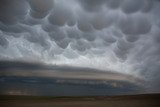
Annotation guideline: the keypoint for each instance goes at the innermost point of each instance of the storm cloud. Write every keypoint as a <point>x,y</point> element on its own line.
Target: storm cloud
<point>116,35</point>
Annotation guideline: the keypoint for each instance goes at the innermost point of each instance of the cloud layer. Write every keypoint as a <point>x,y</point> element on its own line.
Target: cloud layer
<point>24,78</point>
<point>115,35</point>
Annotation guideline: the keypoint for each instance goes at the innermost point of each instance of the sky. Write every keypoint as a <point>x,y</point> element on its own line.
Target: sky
<point>119,36</point>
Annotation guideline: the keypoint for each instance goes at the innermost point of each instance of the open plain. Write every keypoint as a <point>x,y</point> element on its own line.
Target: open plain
<point>149,100</point>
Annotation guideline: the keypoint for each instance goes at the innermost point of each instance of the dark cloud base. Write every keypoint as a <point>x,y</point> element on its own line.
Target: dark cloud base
<point>64,87</point>
<point>68,81</point>
<point>29,69</point>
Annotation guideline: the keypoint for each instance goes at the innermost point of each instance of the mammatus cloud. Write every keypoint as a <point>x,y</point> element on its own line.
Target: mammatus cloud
<point>115,35</point>
<point>40,8</point>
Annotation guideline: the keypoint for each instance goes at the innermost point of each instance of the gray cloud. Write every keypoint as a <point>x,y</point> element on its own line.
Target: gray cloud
<point>135,25</point>
<point>17,28</point>
<point>116,35</point>
<point>92,5</point>
<point>80,45</point>
<point>62,15</point>
<point>58,34</point>
<point>12,11</point>
<point>3,41</point>
<point>101,21</point>
<point>40,8</point>
<point>114,4</point>
<point>39,38</point>
<point>84,24</point>
<point>130,6</point>
<point>74,33</point>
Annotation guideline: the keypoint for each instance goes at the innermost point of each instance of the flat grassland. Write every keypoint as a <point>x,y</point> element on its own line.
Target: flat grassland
<point>143,100</point>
